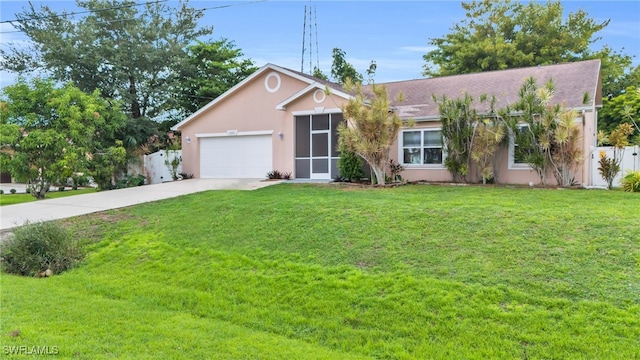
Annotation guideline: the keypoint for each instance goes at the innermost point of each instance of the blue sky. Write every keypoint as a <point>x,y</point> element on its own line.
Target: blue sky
<point>393,33</point>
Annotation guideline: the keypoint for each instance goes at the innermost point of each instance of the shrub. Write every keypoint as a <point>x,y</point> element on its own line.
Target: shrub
<point>274,175</point>
<point>60,188</point>
<point>186,176</point>
<point>13,191</point>
<point>1,192</point>
<point>74,187</point>
<point>394,171</point>
<point>608,168</point>
<point>131,181</point>
<point>40,247</point>
<point>137,180</point>
<point>631,181</point>
<point>80,180</point>
<point>286,175</point>
<point>350,166</point>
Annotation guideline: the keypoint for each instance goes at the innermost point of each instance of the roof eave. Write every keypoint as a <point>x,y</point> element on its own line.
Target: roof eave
<point>239,85</point>
<point>315,85</point>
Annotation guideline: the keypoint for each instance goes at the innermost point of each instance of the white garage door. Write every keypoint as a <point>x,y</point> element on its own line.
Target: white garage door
<point>235,156</point>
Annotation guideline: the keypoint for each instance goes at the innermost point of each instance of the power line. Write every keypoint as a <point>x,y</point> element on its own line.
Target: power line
<point>83,12</point>
<point>115,8</point>
<point>122,7</point>
<point>232,5</point>
<point>101,22</point>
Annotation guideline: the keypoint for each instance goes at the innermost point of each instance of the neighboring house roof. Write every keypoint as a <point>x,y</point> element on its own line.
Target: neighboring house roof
<point>571,80</point>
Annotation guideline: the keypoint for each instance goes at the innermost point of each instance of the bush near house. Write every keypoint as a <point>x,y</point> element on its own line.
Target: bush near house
<point>350,165</point>
<point>631,181</point>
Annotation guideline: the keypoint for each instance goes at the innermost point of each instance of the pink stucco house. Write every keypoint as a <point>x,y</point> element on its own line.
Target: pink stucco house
<point>281,119</point>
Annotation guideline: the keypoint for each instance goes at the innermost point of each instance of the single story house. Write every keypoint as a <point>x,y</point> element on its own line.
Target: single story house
<point>281,119</point>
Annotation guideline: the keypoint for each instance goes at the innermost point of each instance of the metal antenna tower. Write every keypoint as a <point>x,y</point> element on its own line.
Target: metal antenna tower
<point>313,25</point>
<point>304,29</point>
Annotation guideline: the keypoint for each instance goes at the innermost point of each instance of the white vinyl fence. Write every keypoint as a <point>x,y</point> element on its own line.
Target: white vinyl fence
<point>629,162</point>
<point>156,166</point>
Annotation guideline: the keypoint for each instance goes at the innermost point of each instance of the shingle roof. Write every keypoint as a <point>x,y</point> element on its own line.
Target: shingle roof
<point>571,81</point>
<point>330,84</point>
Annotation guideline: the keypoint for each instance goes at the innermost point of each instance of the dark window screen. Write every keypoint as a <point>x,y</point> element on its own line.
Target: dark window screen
<point>302,136</point>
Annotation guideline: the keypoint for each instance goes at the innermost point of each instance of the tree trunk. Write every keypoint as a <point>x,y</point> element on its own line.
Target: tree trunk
<point>135,107</point>
<point>380,175</point>
<point>39,190</point>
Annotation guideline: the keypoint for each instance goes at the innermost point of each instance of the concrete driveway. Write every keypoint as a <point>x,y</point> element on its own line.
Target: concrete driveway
<point>52,209</point>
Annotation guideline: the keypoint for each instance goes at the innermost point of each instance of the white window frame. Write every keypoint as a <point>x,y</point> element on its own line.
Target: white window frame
<point>401,148</point>
<point>512,151</point>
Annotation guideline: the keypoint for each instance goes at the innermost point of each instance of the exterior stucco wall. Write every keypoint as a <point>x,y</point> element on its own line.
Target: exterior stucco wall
<point>419,172</point>
<point>505,174</point>
<point>250,108</point>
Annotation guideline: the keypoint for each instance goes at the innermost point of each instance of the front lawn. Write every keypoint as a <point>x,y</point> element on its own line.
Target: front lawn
<point>318,271</point>
<point>10,199</point>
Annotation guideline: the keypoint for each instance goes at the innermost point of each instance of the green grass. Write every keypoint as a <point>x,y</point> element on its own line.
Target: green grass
<point>305,271</point>
<point>10,199</point>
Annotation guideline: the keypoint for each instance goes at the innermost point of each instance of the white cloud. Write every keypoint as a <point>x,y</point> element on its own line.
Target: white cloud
<point>420,49</point>
<point>622,29</point>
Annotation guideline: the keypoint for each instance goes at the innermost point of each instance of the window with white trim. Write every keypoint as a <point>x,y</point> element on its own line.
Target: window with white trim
<point>422,147</point>
<point>517,154</point>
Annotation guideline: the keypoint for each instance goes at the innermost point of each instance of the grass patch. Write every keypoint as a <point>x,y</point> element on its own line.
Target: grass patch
<point>10,199</point>
<point>322,272</point>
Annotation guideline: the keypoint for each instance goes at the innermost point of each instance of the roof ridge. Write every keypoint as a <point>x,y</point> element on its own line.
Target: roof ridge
<point>523,68</point>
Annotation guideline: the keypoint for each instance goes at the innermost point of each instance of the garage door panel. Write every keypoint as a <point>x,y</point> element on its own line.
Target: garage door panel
<point>235,157</point>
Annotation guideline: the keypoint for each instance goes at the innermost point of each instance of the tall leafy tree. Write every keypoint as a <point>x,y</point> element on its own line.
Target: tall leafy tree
<point>624,108</point>
<point>211,69</point>
<point>341,70</point>
<point>50,133</point>
<point>319,74</point>
<point>126,50</point>
<point>496,35</point>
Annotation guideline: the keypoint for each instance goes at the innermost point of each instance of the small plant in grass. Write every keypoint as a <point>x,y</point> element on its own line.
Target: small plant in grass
<point>13,191</point>
<point>339,178</point>
<point>631,181</point>
<point>274,175</point>
<point>394,171</point>
<point>40,249</point>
